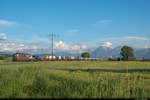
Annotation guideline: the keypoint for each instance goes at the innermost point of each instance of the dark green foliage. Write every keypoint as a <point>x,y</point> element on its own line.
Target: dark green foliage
<point>4,56</point>
<point>110,59</point>
<point>143,59</point>
<point>1,58</point>
<point>117,59</point>
<point>85,55</point>
<point>127,53</point>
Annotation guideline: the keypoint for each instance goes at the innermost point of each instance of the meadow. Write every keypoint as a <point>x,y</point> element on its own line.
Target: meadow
<point>97,79</point>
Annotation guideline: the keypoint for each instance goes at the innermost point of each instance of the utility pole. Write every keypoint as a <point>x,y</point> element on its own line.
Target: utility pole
<point>52,36</point>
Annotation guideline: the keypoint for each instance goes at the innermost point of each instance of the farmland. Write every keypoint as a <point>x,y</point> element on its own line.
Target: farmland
<point>97,79</point>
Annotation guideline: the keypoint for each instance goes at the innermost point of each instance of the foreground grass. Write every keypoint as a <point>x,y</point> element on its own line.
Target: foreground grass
<point>74,79</point>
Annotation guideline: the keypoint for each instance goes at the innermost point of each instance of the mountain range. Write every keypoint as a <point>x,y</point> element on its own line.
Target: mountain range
<point>105,52</point>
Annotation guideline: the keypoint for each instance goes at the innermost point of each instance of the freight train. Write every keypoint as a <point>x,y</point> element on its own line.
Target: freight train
<point>19,57</point>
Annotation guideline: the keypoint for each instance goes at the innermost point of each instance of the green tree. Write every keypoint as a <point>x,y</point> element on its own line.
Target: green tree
<point>1,58</point>
<point>85,55</point>
<point>127,53</point>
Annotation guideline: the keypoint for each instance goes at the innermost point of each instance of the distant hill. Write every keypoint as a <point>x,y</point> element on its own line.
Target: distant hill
<point>143,52</point>
<point>101,52</point>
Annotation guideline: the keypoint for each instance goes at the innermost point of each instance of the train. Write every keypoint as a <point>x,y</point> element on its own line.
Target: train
<point>23,57</point>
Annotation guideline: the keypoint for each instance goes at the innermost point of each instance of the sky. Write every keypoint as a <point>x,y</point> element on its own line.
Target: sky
<point>76,23</point>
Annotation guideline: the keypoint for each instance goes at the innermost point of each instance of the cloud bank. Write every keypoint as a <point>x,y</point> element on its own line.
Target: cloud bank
<point>62,46</point>
<point>146,46</point>
<point>59,46</point>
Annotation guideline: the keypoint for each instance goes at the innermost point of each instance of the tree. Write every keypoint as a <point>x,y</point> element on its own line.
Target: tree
<point>127,53</point>
<point>85,55</point>
<point>1,58</point>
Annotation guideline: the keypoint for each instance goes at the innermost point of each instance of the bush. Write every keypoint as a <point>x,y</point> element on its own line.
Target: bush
<point>1,58</point>
<point>110,58</point>
<point>85,55</point>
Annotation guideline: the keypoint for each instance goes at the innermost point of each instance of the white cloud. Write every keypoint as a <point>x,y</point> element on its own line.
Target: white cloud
<point>102,22</point>
<point>3,36</point>
<point>147,46</point>
<point>12,46</point>
<point>34,47</point>
<point>107,44</point>
<point>83,46</point>
<point>5,23</point>
<point>29,47</point>
<point>136,39</point>
<point>72,30</point>
<point>75,47</point>
<point>21,45</point>
<point>5,49</point>
<point>58,46</point>
<point>62,46</point>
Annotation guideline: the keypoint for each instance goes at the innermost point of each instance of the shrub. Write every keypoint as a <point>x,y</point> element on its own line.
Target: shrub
<point>85,55</point>
<point>110,58</point>
<point>1,58</point>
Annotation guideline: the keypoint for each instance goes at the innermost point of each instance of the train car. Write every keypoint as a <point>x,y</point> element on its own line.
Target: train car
<point>59,58</point>
<point>21,57</point>
<point>72,58</point>
<point>46,57</point>
<point>68,58</point>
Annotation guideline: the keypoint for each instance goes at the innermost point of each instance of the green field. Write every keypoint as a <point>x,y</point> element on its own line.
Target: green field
<point>101,79</point>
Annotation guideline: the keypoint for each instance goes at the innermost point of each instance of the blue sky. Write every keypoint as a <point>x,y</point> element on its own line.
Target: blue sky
<point>90,22</point>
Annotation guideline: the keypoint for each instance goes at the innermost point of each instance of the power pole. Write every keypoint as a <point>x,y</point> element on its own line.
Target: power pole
<point>52,36</point>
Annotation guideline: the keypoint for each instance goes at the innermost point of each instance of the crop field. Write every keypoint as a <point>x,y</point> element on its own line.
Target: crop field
<point>97,79</point>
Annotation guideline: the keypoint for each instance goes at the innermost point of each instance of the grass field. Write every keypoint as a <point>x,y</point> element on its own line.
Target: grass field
<point>101,79</point>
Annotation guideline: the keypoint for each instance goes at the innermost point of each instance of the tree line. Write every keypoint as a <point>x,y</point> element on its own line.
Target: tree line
<point>5,56</point>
